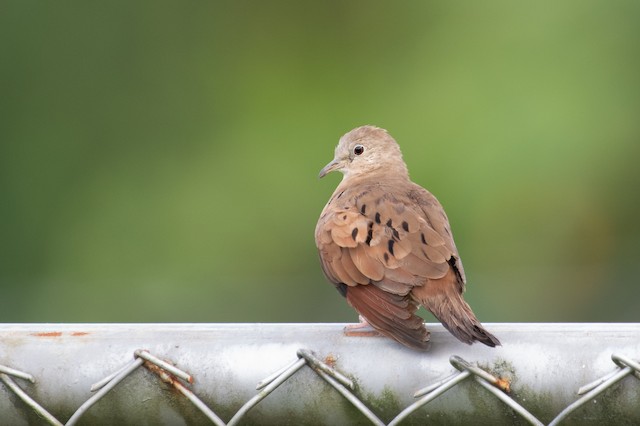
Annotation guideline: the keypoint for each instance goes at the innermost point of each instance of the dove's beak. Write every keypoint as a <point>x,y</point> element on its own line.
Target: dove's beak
<point>333,165</point>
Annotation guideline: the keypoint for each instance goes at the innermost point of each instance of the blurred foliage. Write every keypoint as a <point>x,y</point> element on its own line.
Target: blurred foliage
<point>158,161</point>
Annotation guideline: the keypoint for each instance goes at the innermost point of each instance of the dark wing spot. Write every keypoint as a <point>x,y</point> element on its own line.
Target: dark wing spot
<point>363,209</point>
<point>396,235</point>
<point>452,262</point>
<point>369,237</point>
<point>391,243</point>
<point>342,289</point>
<point>386,257</point>
<point>354,233</point>
<point>340,195</point>
<point>378,218</point>
<point>405,226</point>
<point>423,240</point>
<point>390,223</point>
<point>344,217</point>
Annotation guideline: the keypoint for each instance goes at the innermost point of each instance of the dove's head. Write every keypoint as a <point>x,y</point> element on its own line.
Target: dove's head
<point>365,150</point>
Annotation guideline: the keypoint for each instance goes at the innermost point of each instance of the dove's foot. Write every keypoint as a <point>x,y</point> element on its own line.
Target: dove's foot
<point>361,329</point>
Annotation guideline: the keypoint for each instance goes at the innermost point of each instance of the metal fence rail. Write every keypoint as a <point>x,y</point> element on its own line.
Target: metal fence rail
<point>228,374</point>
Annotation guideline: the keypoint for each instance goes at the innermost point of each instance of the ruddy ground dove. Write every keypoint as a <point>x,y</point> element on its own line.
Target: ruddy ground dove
<point>386,244</point>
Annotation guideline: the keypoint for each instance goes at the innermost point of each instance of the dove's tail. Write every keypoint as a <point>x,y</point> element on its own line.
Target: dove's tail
<point>444,299</point>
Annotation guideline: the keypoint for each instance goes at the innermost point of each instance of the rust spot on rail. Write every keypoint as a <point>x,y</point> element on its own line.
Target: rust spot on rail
<point>504,384</point>
<point>168,378</point>
<point>48,334</point>
<point>330,360</point>
<point>59,334</point>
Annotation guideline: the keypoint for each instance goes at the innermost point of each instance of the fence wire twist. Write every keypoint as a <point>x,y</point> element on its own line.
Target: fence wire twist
<point>180,380</point>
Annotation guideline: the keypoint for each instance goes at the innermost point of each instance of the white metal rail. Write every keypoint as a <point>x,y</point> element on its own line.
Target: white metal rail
<point>314,374</point>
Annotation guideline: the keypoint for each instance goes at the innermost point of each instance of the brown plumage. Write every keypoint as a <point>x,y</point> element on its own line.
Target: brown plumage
<point>386,243</point>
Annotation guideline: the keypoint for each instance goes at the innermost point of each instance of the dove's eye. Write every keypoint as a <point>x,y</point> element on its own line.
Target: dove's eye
<point>358,149</point>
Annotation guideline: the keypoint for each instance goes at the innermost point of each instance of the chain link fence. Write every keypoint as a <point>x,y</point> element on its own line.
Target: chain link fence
<point>237,374</point>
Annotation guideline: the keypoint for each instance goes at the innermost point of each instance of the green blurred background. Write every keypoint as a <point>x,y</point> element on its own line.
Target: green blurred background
<point>159,161</point>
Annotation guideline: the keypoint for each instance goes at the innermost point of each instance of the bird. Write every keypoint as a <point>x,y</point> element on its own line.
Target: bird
<point>386,244</point>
